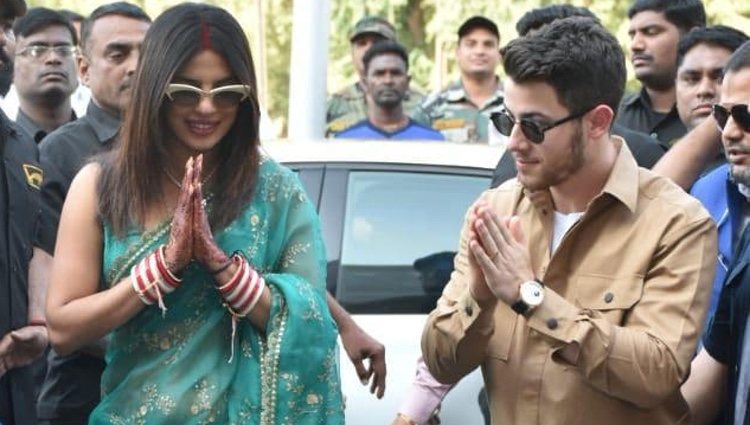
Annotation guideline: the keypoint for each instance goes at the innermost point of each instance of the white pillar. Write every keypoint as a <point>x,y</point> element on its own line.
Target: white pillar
<point>309,64</point>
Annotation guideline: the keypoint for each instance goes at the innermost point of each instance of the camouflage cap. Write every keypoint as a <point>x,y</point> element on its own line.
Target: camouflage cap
<point>373,25</point>
<point>478,22</point>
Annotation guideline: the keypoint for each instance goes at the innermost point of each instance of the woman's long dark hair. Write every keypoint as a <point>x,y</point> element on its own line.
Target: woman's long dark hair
<point>131,174</point>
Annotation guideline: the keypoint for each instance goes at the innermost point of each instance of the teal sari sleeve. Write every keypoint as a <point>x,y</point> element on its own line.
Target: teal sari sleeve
<point>299,308</point>
<point>174,367</point>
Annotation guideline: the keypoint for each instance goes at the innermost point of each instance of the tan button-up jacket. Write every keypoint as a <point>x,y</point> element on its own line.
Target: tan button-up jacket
<point>629,284</point>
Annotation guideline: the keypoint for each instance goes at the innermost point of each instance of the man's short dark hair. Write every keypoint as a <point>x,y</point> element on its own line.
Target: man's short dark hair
<point>717,36</point>
<point>684,14</point>
<point>739,60</point>
<point>71,16</point>
<point>478,22</point>
<point>577,56</point>
<point>541,16</point>
<point>120,8</point>
<point>40,18</point>
<point>385,47</point>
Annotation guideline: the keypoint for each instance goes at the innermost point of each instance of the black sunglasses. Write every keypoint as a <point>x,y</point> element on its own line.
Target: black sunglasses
<point>223,97</point>
<point>531,129</point>
<point>739,112</point>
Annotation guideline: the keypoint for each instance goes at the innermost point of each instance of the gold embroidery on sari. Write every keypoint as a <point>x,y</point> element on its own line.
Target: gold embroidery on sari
<point>292,252</point>
<point>246,414</point>
<point>247,349</point>
<point>313,301</point>
<point>269,362</point>
<point>203,401</point>
<point>151,401</point>
<point>258,234</point>
<point>173,337</point>
<point>121,267</point>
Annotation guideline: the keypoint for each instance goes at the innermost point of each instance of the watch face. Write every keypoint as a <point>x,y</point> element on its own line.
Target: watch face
<point>532,293</point>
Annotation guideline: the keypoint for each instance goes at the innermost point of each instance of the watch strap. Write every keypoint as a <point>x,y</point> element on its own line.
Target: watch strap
<point>520,307</point>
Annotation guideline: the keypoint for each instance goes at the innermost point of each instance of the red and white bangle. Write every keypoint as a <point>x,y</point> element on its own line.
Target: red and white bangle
<point>151,278</point>
<point>244,289</point>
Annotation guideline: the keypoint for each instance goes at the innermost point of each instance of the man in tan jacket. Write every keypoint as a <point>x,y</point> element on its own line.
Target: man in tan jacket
<point>581,286</point>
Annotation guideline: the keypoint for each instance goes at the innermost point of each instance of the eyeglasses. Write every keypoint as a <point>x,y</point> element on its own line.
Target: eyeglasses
<point>38,51</point>
<point>223,97</point>
<point>739,112</point>
<point>531,129</point>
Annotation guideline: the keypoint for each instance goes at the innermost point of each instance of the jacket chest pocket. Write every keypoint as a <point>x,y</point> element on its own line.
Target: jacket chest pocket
<point>611,296</point>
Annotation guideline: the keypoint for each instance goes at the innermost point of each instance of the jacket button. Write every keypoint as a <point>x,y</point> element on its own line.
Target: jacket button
<point>608,297</point>
<point>552,324</point>
<point>469,311</point>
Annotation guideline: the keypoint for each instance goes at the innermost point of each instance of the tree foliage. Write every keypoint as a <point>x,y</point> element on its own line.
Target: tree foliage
<point>426,27</point>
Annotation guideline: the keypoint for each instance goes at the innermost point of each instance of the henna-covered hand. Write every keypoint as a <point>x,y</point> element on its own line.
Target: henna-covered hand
<point>205,249</point>
<point>179,250</point>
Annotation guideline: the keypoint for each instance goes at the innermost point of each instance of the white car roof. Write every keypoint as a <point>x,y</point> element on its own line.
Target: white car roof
<point>402,152</point>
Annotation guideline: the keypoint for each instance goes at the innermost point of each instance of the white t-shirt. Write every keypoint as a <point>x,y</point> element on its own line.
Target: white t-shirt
<point>563,223</point>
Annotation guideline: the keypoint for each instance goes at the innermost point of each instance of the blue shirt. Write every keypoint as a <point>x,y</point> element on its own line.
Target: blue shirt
<point>724,202</point>
<point>724,339</point>
<point>413,131</point>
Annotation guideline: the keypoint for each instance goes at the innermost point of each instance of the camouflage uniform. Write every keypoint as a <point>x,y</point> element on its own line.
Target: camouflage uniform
<point>348,107</point>
<point>452,113</point>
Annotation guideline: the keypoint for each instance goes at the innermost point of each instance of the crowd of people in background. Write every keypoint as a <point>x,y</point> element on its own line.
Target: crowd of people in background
<point>158,268</point>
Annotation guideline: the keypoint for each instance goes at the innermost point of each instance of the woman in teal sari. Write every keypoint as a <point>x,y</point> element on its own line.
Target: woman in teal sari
<point>210,285</point>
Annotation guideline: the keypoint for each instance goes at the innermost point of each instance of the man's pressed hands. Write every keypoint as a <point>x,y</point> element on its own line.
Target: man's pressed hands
<point>499,254</point>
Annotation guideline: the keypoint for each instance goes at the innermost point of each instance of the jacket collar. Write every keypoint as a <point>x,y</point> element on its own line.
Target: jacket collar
<point>622,183</point>
<point>104,124</point>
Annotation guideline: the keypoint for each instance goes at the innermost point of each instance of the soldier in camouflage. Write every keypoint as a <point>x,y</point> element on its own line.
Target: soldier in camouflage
<point>462,110</point>
<point>349,106</point>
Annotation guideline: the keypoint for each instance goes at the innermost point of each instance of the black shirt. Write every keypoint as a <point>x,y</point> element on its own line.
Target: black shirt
<point>21,177</point>
<point>31,128</point>
<point>72,386</point>
<point>637,114</point>
<point>724,338</point>
<point>63,153</point>
<point>644,150</point>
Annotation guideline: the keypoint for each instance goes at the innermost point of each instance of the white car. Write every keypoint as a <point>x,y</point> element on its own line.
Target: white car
<point>391,214</point>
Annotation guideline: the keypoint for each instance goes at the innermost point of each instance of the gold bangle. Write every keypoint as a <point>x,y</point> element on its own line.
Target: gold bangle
<point>408,420</point>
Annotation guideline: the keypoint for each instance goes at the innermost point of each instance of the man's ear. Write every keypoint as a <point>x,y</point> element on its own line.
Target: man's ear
<point>600,120</point>
<point>83,69</point>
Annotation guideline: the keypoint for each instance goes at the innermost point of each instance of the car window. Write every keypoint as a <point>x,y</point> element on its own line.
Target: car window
<point>401,232</point>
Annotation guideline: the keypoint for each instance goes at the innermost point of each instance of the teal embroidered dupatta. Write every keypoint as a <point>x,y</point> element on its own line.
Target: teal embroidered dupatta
<point>174,368</point>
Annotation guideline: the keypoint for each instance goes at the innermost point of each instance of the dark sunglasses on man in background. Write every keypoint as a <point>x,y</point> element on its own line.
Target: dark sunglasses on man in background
<point>739,113</point>
<point>223,97</point>
<point>532,130</point>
